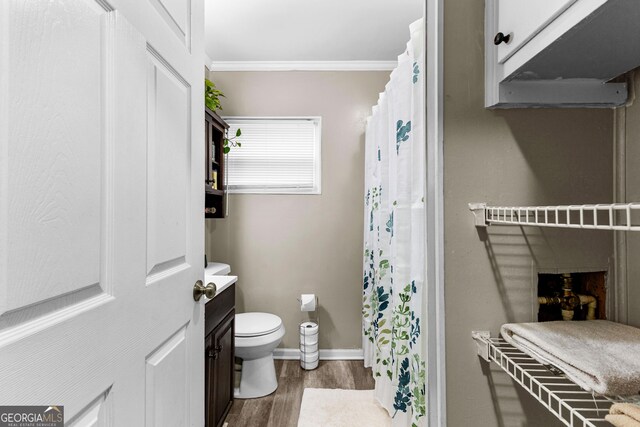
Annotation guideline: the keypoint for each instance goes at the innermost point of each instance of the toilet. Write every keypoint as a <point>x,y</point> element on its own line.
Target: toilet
<point>256,336</point>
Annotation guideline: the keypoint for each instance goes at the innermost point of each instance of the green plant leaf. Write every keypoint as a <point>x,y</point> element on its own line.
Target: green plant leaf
<point>239,144</point>
<point>238,132</point>
<point>212,95</point>
<point>226,149</point>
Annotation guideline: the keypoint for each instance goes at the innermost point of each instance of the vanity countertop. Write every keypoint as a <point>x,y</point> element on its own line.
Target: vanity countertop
<point>221,282</point>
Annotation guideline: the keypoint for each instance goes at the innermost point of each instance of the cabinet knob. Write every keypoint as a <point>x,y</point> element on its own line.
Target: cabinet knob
<point>501,38</point>
<point>214,353</point>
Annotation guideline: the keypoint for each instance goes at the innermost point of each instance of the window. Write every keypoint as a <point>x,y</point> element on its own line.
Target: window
<point>278,155</point>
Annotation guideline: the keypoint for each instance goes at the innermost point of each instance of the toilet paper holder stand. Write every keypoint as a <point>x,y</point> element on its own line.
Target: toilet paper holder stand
<point>311,317</point>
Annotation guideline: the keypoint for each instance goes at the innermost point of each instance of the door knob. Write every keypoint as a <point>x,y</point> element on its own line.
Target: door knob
<point>199,289</point>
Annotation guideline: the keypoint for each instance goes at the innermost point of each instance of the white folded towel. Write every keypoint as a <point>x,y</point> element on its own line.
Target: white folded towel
<point>624,415</point>
<point>600,356</point>
<point>620,420</point>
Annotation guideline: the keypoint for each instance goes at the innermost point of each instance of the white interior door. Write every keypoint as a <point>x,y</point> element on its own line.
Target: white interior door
<point>101,209</point>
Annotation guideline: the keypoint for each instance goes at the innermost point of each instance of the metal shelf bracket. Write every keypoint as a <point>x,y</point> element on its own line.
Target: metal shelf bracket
<point>479,213</point>
<point>482,343</point>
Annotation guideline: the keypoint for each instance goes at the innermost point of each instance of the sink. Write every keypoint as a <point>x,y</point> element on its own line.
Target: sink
<point>222,282</point>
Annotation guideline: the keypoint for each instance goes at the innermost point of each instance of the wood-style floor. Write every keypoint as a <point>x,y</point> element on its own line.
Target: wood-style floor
<point>281,409</point>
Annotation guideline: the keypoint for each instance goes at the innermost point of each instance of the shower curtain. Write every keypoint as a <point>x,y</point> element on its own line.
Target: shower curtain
<point>394,239</point>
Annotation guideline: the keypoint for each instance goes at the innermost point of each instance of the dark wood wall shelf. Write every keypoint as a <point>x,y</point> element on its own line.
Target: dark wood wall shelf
<point>215,196</point>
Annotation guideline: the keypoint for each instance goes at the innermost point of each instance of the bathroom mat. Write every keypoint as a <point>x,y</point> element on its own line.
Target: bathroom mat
<point>325,407</point>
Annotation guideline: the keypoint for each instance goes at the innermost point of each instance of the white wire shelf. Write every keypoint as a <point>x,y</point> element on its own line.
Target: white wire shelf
<point>571,404</point>
<point>614,216</point>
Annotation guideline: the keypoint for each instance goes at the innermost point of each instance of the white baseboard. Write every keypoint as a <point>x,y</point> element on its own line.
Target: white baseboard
<point>332,354</point>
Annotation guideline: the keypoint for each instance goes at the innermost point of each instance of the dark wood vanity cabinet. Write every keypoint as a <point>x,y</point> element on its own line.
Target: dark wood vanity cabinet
<point>219,356</point>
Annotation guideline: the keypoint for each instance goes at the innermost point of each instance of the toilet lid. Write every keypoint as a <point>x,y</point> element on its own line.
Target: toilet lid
<point>255,324</point>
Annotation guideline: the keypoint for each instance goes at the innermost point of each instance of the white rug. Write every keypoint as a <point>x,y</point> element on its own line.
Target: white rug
<point>324,407</point>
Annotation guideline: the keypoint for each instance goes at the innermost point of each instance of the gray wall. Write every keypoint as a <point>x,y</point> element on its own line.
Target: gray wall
<point>283,245</point>
<point>513,157</point>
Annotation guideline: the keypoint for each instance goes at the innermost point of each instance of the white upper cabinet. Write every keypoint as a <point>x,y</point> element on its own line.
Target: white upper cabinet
<point>559,53</point>
<point>521,20</point>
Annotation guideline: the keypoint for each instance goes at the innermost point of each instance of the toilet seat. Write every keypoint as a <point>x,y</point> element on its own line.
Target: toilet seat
<point>256,324</point>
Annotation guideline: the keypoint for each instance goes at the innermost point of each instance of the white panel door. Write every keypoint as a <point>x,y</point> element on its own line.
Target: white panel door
<point>101,209</point>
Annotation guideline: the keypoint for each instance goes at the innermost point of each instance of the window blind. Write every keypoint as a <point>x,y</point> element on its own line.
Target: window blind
<point>278,155</point>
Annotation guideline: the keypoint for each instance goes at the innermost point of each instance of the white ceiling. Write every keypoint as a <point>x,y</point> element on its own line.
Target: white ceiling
<point>308,30</point>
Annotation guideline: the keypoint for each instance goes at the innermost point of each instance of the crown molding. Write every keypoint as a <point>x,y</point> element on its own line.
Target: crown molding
<point>303,65</point>
<point>207,62</point>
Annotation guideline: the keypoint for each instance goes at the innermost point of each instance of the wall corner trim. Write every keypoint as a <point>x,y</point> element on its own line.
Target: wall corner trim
<point>207,62</point>
<point>330,354</point>
<point>303,65</point>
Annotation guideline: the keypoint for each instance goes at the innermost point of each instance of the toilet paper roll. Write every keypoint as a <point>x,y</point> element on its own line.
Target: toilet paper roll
<point>310,357</point>
<point>309,365</point>
<point>309,360</point>
<point>308,333</point>
<point>308,302</point>
<point>308,328</point>
<point>308,347</point>
<point>308,339</point>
